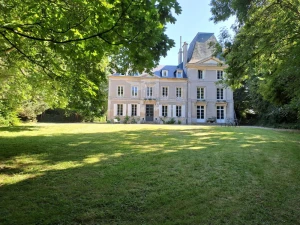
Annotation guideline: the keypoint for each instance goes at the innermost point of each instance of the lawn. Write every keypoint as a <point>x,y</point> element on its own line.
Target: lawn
<point>148,174</point>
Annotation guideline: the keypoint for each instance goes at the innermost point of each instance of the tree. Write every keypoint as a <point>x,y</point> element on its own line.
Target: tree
<point>71,45</point>
<point>266,46</point>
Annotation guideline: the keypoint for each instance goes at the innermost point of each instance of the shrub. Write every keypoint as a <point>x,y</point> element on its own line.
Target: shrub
<point>126,119</point>
<point>133,120</point>
<point>171,121</point>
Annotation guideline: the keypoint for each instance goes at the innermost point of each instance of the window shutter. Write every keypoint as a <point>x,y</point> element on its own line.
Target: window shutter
<point>169,111</point>
<point>138,110</point>
<point>129,109</point>
<point>124,109</point>
<point>183,111</point>
<point>203,74</point>
<point>160,110</point>
<point>174,110</point>
<point>115,109</point>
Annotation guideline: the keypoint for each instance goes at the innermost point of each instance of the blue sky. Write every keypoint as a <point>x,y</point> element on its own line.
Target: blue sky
<point>194,18</point>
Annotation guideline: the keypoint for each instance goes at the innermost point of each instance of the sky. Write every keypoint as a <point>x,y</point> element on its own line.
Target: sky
<point>194,18</point>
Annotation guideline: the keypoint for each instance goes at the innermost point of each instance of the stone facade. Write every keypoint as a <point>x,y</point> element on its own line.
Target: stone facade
<point>189,92</point>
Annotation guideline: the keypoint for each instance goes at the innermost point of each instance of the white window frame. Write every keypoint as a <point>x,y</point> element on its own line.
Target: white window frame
<point>200,93</point>
<point>178,92</point>
<point>164,110</point>
<point>164,92</point>
<point>134,91</point>
<point>164,73</point>
<point>178,110</point>
<point>200,109</point>
<point>149,91</point>
<point>200,74</point>
<point>120,91</point>
<point>133,109</point>
<point>220,74</point>
<point>119,109</point>
<point>220,93</point>
<point>220,109</point>
<point>179,72</point>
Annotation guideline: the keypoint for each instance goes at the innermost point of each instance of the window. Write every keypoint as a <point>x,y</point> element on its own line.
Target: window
<point>120,110</point>
<point>164,73</point>
<point>219,75</point>
<point>165,91</point>
<point>178,92</point>
<point>120,91</point>
<point>200,112</point>
<point>149,91</point>
<point>133,109</point>
<point>200,74</point>
<point>220,112</point>
<point>179,74</point>
<point>134,91</point>
<point>220,93</point>
<point>200,93</point>
<point>178,110</point>
<point>164,111</point>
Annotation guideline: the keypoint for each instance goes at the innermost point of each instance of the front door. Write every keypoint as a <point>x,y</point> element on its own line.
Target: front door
<point>149,112</point>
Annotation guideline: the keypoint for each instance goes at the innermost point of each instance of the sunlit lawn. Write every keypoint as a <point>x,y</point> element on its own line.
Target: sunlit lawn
<point>148,174</point>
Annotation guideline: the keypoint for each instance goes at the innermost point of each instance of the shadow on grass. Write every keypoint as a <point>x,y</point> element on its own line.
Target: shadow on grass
<point>19,128</point>
<point>148,177</point>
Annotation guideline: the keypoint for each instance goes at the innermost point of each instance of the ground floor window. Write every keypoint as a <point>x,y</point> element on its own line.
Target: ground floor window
<point>178,110</point>
<point>133,110</point>
<point>120,110</point>
<point>200,112</point>
<point>164,111</point>
<point>220,112</point>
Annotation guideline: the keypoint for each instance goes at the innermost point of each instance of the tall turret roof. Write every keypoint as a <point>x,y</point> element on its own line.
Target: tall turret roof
<point>199,48</point>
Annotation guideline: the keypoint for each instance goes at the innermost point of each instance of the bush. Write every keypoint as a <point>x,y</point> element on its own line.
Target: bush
<point>126,119</point>
<point>171,121</point>
<point>133,120</point>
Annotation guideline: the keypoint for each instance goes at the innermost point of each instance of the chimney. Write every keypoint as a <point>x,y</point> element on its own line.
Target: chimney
<point>185,52</point>
<point>180,53</point>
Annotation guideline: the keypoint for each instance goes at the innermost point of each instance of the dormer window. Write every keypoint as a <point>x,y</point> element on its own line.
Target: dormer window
<point>164,73</point>
<point>179,73</point>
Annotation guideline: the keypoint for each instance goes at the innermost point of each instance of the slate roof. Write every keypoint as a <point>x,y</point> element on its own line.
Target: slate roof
<point>171,70</point>
<point>199,47</point>
<point>158,71</point>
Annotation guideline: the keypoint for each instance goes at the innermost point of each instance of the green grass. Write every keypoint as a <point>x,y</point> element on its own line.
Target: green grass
<point>148,174</point>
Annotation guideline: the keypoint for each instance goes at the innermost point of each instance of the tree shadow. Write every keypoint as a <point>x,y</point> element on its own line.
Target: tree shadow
<point>19,128</point>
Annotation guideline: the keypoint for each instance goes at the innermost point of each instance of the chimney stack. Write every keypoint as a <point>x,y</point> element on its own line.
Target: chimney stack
<point>185,49</point>
<point>180,53</point>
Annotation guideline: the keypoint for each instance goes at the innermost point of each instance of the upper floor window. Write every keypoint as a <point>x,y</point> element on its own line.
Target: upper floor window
<point>200,93</point>
<point>133,109</point>
<point>165,91</point>
<point>178,92</point>
<point>164,111</point>
<point>149,91</point>
<point>134,91</point>
<point>220,93</point>
<point>179,73</point>
<point>200,74</point>
<point>120,91</point>
<point>120,110</point>
<point>219,75</point>
<point>178,110</point>
<point>164,73</point>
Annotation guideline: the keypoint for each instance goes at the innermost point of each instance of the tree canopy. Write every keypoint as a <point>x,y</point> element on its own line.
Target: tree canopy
<point>60,52</point>
<point>265,48</point>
